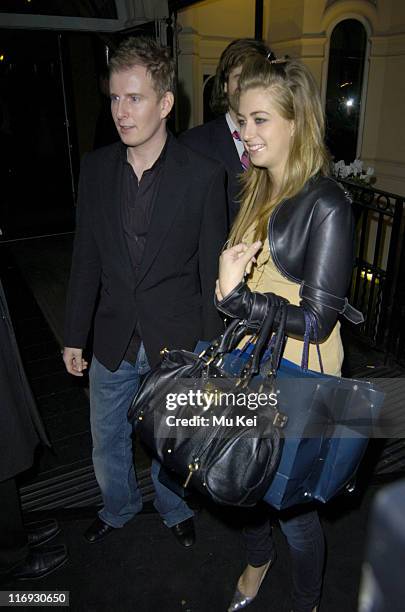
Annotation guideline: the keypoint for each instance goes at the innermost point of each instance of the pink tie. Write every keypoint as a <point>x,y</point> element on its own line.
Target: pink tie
<point>244,160</point>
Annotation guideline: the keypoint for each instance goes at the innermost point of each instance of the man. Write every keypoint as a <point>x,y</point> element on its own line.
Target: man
<point>219,138</point>
<point>22,554</point>
<point>151,224</point>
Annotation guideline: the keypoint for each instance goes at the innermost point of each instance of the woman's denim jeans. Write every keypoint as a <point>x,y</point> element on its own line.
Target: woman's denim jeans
<point>306,542</point>
<point>111,394</point>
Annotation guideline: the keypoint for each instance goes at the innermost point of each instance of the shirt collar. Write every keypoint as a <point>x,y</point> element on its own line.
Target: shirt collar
<point>160,159</point>
<point>231,123</point>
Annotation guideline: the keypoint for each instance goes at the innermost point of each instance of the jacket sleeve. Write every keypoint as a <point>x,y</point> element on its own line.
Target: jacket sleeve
<point>213,234</point>
<point>85,271</point>
<point>328,266</point>
<point>326,274</point>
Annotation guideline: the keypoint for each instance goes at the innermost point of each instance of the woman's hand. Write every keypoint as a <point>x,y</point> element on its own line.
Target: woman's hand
<point>234,264</point>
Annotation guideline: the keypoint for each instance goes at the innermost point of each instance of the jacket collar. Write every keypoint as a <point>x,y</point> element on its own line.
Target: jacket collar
<point>226,145</point>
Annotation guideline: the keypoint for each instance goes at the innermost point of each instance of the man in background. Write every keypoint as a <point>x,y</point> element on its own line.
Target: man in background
<point>219,138</point>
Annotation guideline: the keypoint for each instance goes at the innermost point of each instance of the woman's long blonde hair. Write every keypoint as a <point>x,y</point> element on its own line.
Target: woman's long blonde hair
<point>296,96</point>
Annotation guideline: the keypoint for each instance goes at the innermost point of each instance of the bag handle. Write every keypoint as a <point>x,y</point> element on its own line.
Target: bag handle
<point>226,342</point>
<point>311,329</point>
<point>276,305</point>
<point>278,340</point>
<point>264,334</point>
<point>230,338</point>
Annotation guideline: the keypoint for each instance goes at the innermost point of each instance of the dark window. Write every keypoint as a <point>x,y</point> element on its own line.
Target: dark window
<point>345,83</point>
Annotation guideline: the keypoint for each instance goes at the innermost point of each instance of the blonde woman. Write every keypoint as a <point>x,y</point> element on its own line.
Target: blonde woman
<point>293,237</point>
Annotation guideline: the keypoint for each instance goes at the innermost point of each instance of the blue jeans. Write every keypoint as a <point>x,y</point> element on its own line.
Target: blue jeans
<point>111,394</point>
<point>304,535</point>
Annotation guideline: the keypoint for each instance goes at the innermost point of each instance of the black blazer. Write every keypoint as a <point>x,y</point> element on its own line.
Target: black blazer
<point>214,140</point>
<point>173,295</point>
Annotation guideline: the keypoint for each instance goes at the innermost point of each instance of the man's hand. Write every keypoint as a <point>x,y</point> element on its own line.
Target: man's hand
<point>234,263</point>
<point>74,362</point>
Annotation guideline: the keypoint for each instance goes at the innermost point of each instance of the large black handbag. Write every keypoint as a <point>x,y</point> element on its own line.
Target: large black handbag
<point>330,421</point>
<point>230,451</point>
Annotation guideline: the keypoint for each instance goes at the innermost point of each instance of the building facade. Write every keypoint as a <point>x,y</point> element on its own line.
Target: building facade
<point>304,29</point>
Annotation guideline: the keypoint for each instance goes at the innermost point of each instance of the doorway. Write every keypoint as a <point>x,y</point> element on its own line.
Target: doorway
<point>36,144</point>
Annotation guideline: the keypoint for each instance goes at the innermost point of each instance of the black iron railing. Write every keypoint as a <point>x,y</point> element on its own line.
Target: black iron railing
<point>378,279</point>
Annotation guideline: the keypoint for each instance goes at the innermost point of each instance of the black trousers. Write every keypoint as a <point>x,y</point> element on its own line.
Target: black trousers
<point>305,538</point>
<point>13,538</point>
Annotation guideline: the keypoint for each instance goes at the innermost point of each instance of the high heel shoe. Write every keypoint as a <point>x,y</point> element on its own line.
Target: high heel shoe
<point>240,600</point>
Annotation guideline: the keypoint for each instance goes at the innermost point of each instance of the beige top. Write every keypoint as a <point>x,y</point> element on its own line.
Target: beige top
<point>265,277</point>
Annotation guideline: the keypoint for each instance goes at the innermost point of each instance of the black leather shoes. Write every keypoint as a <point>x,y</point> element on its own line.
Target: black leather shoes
<point>184,532</point>
<point>40,563</point>
<point>41,531</point>
<point>97,531</point>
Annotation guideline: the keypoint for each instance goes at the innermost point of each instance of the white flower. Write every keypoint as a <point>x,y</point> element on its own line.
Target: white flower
<point>340,164</point>
<point>346,171</point>
<point>356,167</point>
<point>353,171</point>
<point>340,169</point>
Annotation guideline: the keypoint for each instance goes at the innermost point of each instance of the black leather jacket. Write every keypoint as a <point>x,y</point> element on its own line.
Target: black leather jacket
<point>311,238</point>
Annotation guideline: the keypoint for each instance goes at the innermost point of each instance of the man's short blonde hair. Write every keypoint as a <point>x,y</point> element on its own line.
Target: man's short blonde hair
<point>143,51</point>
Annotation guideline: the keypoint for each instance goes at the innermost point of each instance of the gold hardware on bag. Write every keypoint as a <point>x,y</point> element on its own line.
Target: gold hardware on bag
<point>243,381</point>
<point>163,352</point>
<point>209,387</point>
<point>280,419</point>
<point>210,346</point>
<point>193,467</point>
<point>210,360</point>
